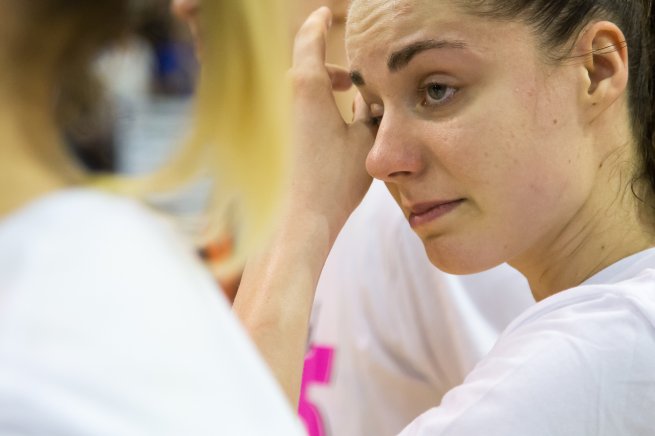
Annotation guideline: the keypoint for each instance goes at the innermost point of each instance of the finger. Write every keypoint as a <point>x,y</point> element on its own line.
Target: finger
<point>309,46</point>
<point>361,130</point>
<point>360,109</point>
<point>340,78</point>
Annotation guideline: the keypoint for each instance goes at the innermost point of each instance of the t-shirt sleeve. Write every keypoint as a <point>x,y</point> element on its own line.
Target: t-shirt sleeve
<point>572,371</point>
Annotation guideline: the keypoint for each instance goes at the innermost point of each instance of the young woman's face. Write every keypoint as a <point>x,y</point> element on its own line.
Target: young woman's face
<point>480,138</point>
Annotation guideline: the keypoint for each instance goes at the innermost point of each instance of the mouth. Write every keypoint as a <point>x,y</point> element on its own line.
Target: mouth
<point>424,213</point>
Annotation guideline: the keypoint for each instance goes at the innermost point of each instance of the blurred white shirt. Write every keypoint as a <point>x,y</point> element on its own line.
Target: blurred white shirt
<point>391,334</point>
<point>579,363</point>
<point>109,325</point>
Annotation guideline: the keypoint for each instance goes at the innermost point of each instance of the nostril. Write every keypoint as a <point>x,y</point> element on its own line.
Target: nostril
<point>398,174</point>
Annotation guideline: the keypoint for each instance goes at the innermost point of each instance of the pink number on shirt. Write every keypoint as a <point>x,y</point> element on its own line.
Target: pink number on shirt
<point>318,367</point>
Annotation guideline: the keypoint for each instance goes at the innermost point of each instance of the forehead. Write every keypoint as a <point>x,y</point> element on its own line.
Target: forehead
<point>376,28</point>
<point>372,17</point>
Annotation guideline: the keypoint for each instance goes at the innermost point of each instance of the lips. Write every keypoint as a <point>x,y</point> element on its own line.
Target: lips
<point>423,213</point>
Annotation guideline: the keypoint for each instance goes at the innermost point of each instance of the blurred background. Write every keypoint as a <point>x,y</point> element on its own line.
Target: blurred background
<point>149,82</point>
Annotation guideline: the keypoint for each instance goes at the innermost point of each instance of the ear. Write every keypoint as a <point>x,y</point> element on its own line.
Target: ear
<point>604,50</point>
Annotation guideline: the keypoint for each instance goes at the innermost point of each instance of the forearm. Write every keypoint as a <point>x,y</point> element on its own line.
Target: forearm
<point>277,291</point>
<point>328,180</point>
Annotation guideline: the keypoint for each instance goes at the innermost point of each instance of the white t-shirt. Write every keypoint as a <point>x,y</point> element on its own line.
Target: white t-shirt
<point>579,363</point>
<point>110,326</point>
<point>391,334</point>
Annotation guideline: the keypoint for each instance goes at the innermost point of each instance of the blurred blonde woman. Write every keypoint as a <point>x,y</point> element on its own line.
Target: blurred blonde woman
<point>108,323</point>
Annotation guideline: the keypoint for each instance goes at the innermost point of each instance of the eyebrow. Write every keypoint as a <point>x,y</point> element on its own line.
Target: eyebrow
<point>401,58</point>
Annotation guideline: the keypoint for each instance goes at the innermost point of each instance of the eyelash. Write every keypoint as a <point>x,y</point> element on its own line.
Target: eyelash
<point>375,121</point>
<point>422,93</point>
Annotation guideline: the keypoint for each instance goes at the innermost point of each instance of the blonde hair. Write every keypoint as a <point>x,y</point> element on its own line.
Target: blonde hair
<point>240,134</point>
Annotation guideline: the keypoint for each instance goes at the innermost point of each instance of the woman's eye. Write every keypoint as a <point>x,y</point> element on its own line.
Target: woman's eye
<point>375,121</point>
<point>434,94</point>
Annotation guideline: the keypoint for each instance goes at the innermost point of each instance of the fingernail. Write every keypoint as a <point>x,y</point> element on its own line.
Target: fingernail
<point>376,109</point>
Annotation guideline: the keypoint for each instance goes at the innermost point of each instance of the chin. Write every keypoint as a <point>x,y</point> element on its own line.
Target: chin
<point>456,257</point>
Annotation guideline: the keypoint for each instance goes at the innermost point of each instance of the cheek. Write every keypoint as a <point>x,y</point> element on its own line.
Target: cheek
<point>521,161</point>
<point>478,154</point>
<point>522,142</point>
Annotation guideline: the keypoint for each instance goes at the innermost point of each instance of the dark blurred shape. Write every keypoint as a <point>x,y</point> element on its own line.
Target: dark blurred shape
<point>96,152</point>
<point>93,125</point>
<point>176,68</point>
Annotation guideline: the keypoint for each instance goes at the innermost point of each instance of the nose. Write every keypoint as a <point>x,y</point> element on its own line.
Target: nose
<point>185,9</point>
<point>395,154</point>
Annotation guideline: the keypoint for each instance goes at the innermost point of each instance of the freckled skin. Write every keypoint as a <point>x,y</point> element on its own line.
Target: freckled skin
<point>494,145</point>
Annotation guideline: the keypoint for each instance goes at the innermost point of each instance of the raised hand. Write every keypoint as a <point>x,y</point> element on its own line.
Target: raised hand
<point>329,176</point>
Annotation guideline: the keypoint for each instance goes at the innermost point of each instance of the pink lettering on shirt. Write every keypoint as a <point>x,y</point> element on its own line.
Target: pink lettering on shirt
<point>318,368</point>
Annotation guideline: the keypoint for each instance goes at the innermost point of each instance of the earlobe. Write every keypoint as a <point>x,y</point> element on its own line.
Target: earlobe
<point>605,54</point>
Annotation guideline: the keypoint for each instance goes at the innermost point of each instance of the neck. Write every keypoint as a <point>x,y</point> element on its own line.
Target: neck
<point>607,228</point>
<point>33,161</point>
